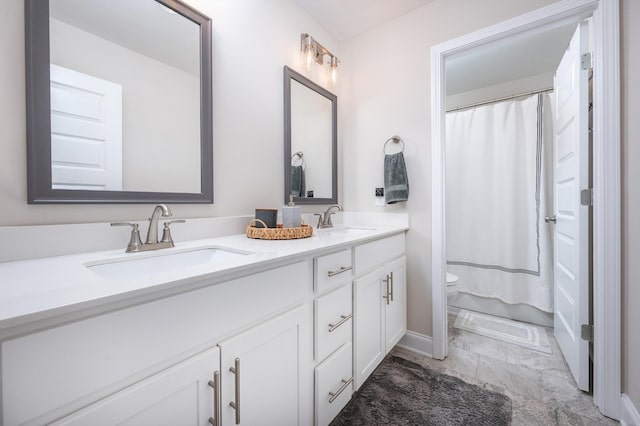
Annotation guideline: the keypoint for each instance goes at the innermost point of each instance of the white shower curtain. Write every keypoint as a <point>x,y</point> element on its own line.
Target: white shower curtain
<point>498,190</point>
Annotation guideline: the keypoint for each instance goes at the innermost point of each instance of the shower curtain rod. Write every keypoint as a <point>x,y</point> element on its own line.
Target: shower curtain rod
<point>506,98</point>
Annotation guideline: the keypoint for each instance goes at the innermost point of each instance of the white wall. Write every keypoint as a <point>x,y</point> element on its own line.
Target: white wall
<point>386,91</point>
<point>252,41</point>
<point>630,88</point>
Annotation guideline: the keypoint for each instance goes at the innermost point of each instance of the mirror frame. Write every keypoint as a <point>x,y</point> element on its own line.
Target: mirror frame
<point>289,75</point>
<point>38,101</point>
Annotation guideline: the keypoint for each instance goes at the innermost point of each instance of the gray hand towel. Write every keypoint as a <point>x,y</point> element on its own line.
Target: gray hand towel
<point>396,182</point>
<point>297,181</point>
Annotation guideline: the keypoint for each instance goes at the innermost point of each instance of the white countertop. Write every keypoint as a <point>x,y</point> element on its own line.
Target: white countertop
<point>38,289</point>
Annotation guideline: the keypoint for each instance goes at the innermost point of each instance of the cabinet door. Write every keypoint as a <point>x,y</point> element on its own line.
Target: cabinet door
<point>179,395</point>
<point>395,305</point>
<point>262,372</point>
<point>369,329</point>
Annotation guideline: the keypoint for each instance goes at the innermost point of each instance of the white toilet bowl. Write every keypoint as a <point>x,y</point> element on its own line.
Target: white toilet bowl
<point>452,286</point>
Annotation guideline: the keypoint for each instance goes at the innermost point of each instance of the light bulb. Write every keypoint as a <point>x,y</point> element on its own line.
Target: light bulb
<point>309,58</point>
<point>308,52</point>
<point>334,70</point>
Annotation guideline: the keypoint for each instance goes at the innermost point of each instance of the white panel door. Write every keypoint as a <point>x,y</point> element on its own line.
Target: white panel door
<point>180,395</point>
<point>86,131</point>
<point>396,311</point>
<point>261,373</point>
<point>369,325</point>
<point>571,233</point>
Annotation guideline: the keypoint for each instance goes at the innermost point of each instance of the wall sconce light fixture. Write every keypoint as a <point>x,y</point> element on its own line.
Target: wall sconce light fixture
<point>315,52</point>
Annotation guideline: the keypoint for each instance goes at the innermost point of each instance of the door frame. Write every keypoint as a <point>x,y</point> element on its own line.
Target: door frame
<point>606,179</point>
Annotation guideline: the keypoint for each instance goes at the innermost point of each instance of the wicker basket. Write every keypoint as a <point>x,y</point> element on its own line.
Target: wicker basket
<point>280,233</point>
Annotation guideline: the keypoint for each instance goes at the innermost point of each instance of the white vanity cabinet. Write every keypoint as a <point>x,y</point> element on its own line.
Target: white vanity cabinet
<point>282,341</point>
<point>150,353</point>
<point>259,371</point>
<point>379,303</point>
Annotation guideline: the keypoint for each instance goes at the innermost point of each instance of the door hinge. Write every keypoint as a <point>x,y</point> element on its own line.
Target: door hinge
<point>586,332</point>
<point>585,61</point>
<point>586,197</point>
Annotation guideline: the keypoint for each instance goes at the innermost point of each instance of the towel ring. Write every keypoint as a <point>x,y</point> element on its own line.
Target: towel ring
<point>300,155</point>
<point>394,139</point>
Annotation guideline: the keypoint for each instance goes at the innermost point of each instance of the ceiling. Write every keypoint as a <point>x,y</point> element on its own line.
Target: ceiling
<point>507,59</point>
<point>346,19</point>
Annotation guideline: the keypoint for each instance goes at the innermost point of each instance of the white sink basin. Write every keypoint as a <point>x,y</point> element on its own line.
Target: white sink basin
<point>158,263</point>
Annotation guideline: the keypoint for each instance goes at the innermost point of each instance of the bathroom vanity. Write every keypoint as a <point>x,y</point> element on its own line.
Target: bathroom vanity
<point>220,331</point>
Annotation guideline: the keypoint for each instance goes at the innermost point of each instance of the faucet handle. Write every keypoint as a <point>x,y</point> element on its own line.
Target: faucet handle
<point>134,242</point>
<point>327,219</point>
<point>320,219</point>
<point>166,231</point>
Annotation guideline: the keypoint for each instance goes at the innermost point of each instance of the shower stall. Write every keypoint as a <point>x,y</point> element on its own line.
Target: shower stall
<point>499,188</point>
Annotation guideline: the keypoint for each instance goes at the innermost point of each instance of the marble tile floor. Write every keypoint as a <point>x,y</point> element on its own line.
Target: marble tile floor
<point>540,386</point>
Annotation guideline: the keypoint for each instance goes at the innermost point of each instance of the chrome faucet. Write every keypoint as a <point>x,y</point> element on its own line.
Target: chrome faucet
<point>324,219</point>
<point>152,232</point>
<point>152,243</point>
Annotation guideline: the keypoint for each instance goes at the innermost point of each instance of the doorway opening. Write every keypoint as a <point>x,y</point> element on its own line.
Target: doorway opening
<point>606,389</point>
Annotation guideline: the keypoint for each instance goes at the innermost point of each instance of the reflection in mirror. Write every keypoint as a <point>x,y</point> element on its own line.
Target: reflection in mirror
<point>310,141</point>
<point>129,89</point>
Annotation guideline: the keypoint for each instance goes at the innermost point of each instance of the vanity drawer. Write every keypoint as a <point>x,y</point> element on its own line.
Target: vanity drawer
<point>371,255</point>
<point>57,368</point>
<point>333,385</point>
<point>333,321</point>
<point>332,270</point>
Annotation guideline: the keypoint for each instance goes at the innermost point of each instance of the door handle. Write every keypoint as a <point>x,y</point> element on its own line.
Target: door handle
<point>389,295</point>
<point>236,403</point>
<point>550,219</point>
<point>215,384</point>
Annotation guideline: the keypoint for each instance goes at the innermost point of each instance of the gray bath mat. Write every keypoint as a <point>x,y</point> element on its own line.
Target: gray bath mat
<point>400,392</point>
<point>515,332</point>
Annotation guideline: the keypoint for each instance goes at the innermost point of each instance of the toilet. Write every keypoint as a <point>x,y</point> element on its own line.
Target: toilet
<point>452,287</point>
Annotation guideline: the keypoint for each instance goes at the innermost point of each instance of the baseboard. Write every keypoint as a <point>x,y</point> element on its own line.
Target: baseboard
<point>417,342</point>
<point>630,414</point>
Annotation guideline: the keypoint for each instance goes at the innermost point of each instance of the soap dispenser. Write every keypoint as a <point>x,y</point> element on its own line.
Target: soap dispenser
<point>291,215</point>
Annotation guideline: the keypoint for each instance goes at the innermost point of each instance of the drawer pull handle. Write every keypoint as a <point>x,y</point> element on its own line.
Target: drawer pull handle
<point>215,384</point>
<point>236,404</point>
<point>344,318</point>
<point>334,395</point>
<point>339,271</point>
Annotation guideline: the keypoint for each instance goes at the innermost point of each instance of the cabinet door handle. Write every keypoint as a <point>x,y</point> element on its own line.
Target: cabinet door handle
<point>389,295</point>
<point>236,404</point>
<point>334,395</point>
<point>343,319</point>
<point>339,271</point>
<point>215,384</point>
<point>391,279</point>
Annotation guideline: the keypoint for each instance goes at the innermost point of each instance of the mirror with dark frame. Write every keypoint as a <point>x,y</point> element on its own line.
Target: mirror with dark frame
<point>310,148</point>
<point>119,102</point>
